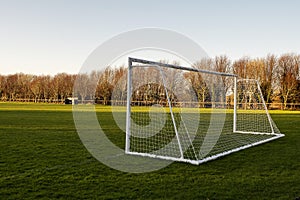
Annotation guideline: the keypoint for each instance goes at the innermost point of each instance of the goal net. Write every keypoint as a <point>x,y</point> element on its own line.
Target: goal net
<point>192,115</point>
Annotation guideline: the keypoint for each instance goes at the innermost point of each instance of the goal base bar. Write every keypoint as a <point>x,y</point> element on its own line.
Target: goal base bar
<point>198,162</point>
<point>257,133</point>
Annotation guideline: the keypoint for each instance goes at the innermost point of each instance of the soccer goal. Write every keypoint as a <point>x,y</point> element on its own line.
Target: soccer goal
<point>192,115</point>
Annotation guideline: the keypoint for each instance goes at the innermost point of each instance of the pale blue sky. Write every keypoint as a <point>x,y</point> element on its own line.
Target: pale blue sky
<point>51,36</point>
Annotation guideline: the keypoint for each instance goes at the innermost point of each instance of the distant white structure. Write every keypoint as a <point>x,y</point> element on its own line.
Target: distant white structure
<point>71,100</point>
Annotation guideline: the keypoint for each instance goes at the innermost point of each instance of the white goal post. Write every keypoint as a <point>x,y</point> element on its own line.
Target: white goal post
<point>192,115</point>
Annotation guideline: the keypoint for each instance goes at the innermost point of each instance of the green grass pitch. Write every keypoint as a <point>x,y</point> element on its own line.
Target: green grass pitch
<point>42,157</point>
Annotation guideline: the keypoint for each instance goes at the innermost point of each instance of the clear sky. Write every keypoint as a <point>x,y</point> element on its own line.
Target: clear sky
<point>52,36</point>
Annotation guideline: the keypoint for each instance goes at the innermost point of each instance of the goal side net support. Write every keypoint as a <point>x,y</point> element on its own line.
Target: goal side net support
<point>192,115</point>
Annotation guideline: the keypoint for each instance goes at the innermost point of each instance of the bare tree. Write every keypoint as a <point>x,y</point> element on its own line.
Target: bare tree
<point>240,67</point>
<point>24,91</point>
<point>289,73</point>
<point>223,64</point>
<point>104,86</point>
<point>120,85</point>
<point>11,86</point>
<point>46,82</point>
<point>3,92</point>
<point>199,82</point>
<point>81,85</point>
<point>268,80</point>
<point>36,88</point>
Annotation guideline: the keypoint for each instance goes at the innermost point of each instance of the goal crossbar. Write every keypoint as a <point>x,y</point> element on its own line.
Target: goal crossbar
<point>152,63</point>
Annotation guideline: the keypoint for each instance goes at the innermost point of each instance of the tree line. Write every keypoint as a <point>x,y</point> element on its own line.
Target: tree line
<point>279,78</point>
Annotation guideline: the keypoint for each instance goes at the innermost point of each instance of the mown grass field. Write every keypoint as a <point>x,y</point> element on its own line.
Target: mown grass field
<point>42,157</point>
